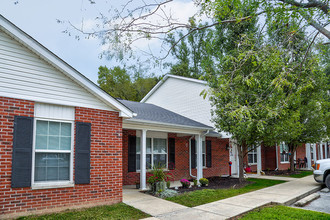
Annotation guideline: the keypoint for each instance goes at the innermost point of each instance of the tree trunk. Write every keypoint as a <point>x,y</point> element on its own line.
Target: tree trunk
<point>292,161</point>
<point>240,149</point>
<point>292,149</point>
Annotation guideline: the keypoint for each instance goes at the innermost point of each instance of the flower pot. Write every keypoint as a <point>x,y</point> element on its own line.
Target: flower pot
<point>160,186</point>
<point>137,185</point>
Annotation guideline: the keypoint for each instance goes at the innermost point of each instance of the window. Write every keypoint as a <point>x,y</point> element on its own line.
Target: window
<point>203,154</point>
<point>284,150</point>
<point>156,152</point>
<point>252,156</point>
<point>53,152</point>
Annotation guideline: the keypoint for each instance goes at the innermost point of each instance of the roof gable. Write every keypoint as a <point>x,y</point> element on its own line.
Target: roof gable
<point>168,76</point>
<point>57,65</point>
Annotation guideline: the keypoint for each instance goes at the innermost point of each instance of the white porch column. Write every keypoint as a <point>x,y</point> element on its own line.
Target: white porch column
<point>199,156</point>
<point>308,155</point>
<point>259,162</point>
<point>314,152</point>
<point>143,160</point>
<point>321,150</point>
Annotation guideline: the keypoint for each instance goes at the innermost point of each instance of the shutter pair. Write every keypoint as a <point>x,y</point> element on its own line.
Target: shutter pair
<point>132,153</point>
<point>22,152</point>
<point>208,153</point>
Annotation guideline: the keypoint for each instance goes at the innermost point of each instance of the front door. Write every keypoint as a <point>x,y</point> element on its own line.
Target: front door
<point>233,157</point>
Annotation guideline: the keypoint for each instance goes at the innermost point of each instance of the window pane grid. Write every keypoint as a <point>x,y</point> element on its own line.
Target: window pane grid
<point>53,142</point>
<point>156,152</point>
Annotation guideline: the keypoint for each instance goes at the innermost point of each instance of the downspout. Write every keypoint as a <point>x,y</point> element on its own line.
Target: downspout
<point>208,131</point>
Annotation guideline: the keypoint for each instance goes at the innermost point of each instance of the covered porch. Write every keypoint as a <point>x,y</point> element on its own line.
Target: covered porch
<point>183,147</point>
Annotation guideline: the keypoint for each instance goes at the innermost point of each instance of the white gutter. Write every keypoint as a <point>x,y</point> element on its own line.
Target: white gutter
<point>138,121</point>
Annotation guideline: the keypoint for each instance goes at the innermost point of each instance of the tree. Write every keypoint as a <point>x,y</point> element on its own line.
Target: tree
<point>116,82</point>
<point>190,51</point>
<point>119,84</point>
<point>149,19</point>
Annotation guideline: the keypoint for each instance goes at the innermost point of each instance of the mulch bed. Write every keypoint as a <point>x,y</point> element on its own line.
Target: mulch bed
<point>216,182</point>
<point>281,172</point>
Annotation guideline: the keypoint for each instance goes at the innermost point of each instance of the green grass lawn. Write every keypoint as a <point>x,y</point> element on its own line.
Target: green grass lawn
<point>117,211</point>
<point>283,212</point>
<point>200,197</point>
<point>302,174</point>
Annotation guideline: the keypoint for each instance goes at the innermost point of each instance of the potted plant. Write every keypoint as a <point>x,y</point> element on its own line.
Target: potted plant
<point>203,181</point>
<point>185,183</point>
<point>157,179</point>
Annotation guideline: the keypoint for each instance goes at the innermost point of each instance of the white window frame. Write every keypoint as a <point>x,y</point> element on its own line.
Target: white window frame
<point>284,156</point>
<point>152,151</point>
<point>254,154</point>
<point>52,184</point>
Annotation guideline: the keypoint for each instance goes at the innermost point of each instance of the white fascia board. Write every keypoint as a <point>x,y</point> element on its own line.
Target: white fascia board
<point>170,128</point>
<point>62,66</point>
<point>188,79</point>
<point>165,78</point>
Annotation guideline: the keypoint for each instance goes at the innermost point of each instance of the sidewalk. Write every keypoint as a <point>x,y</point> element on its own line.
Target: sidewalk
<point>286,193</point>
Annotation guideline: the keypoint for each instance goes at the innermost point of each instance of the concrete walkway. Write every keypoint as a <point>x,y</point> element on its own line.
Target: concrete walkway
<point>286,193</point>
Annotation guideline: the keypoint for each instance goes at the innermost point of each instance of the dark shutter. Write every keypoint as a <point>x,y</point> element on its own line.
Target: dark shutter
<point>171,157</point>
<point>22,152</point>
<point>131,153</point>
<point>208,154</point>
<point>193,153</point>
<point>82,153</point>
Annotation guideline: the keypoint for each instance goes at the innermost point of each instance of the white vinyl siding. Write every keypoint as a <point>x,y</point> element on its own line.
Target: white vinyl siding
<point>183,97</point>
<point>24,75</point>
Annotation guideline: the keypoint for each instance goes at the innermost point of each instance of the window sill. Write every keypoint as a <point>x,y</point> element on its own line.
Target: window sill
<point>51,185</point>
<point>252,164</point>
<point>285,162</point>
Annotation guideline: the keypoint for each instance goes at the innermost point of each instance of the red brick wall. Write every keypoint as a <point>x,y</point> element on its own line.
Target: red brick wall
<point>106,169</point>
<point>268,155</point>
<point>220,158</point>
<point>301,153</point>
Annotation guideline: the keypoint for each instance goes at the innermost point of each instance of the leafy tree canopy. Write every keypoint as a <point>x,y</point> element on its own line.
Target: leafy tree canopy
<point>118,83</point>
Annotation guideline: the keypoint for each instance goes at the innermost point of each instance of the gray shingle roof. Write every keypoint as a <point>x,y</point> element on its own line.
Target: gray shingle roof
<point>153,113</point>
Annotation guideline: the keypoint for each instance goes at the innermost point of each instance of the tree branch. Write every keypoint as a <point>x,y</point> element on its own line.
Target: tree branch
<point>311,4</point>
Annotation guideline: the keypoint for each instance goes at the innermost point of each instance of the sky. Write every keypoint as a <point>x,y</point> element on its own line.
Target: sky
<point>38,18</point>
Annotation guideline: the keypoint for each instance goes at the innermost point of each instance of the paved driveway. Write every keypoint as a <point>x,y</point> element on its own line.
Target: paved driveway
<point>321,204</point>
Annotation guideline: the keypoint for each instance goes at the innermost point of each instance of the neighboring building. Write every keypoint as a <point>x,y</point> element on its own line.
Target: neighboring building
<point>60,134</point>
<point>183,96</point>
<point>65,143</point>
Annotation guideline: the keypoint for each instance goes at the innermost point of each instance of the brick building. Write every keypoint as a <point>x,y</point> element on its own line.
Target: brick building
<point>60,134</point>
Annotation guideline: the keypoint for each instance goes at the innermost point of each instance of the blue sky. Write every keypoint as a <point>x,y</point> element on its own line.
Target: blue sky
<point>38,18</point>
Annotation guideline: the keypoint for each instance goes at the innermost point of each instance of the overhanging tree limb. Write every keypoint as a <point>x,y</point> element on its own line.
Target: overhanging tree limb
<point>311,4</point>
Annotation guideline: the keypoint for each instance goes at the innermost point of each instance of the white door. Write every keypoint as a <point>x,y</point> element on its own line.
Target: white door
<point>233,157</point>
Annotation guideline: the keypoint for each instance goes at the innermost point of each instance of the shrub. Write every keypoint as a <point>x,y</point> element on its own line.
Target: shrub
<point>168,193</point>
<point>185,183</point>
<point>156,176</point>
<point>195,182</point>
<point>204,181</point>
